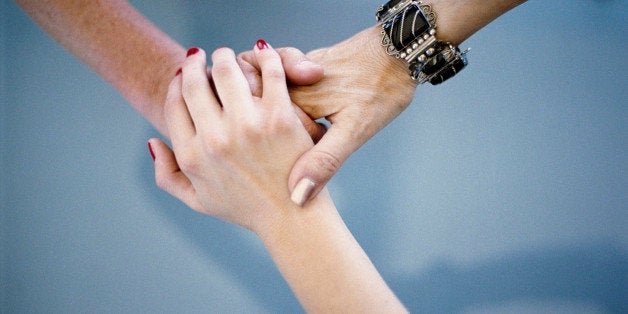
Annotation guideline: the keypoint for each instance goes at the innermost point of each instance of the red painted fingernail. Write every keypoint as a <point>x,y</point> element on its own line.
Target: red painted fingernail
<point>150,149</point>
<point>261,44</point>
<point>192,51</point>
<point>179,71</point>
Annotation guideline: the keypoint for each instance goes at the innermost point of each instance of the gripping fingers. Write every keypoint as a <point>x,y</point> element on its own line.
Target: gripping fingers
<point>299,69</point>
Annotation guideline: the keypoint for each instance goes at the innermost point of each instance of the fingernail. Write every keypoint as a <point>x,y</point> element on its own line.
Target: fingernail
<point>179,71</point>
<point>302,191</point>
<point>150,149</point>
<point>192,51</point>
<point>261,44</point>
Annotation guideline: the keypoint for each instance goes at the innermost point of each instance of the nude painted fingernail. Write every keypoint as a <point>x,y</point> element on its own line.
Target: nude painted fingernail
<point>302,191</point>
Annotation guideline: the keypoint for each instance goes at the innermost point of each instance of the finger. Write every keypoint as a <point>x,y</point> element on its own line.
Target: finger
<point>299,69</point>
<point>178,121</point>
<point>253,76</point>
<point>316,130</point>
<point>231,84</point>
<point>169,177</point>
<point>316,166</point>
<point>274,85</point>
<point>202,104</point>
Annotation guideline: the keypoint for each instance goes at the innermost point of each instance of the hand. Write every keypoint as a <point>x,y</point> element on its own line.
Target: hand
<point>363,90</point>
<point>234,150</point>
<point>299,71</point>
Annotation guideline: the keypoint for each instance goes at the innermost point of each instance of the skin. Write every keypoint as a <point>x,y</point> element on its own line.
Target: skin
<point>136,57</point>
<point>362,89</point>
<point>235,152</point>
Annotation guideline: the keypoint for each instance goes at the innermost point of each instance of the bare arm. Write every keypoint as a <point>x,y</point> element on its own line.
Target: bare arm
<point>458,20</point>
<point>118,43</point>
<point>324,264</point>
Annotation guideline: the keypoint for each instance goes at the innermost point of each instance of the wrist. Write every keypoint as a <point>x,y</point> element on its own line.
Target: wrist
<point>324,265</point>
<point>273,229</point>
<point>409,33</point>
<point>396,83</point>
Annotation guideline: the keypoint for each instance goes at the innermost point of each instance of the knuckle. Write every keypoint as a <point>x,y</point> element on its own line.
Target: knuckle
<point>325,164</point>
<point>252,131</point>
<point>221,69</point>
<point>274,72</point>
<point>282,122</point>
<point>218,146</point>
<point>192,86</point>
<point>187,158</point>
<point>189,164</point>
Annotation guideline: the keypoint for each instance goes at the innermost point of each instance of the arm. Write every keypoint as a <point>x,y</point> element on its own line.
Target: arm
<point>118,43</point>
<point>235,151</point>
<point>364,88</point>
<point>132,54</point>
<point>325,266</point>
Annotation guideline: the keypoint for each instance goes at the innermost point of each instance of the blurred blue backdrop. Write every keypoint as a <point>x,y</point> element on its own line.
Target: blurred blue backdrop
<point>503,190</point>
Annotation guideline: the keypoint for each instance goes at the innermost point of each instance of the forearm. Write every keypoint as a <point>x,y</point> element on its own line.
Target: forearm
<point>324,265</point>
<point>457,20</point>
<point>118,43</point>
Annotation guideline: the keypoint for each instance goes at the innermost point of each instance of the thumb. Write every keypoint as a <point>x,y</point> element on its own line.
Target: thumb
<point>316,166</point>
<point>299,69</point>
<point>168,175</point>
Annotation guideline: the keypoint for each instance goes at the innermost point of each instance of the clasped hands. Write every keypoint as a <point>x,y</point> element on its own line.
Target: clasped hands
<point>234,133</point>
<point>233,149</point>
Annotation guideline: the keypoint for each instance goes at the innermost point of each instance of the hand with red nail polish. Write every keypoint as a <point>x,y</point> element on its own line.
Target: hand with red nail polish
<point>299,71</point>
<point>229,141</point>
<point>231,155</point>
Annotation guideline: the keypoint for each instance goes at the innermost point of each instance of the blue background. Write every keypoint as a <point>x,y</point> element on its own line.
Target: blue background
<point>503,190</point>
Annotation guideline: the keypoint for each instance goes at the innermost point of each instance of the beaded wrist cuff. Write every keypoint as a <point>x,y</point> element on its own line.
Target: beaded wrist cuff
<point>409,33</point>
